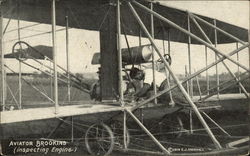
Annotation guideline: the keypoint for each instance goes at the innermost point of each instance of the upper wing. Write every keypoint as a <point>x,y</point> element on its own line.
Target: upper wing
<point>90,14</point>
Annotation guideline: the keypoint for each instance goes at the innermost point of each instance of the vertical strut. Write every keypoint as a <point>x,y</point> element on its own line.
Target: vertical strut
<point>248,43</point>
<point>238,69</point>
<point>67,55</point>
<point>153,55</point>
<point>72,129</point>
<point>20,63</point>
<point>207,75</point>
<point>139,37</point>
<point>216,58</point>
<point>188,98</point>
<point>119,50</point>
<point>2,63</point>
<point>163,41</point>
<point>20,84</point>
<point>53,7</point>
<point>189,59</point>
<point>187,83</point>
<point>125,130</point>
<point>169,48</point>
<point>191,121</point>
<point>120,72</point>
<point>169,76</point>
<point>51,80</point>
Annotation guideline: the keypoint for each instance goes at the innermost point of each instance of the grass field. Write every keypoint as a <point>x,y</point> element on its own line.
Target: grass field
<point>30,95</point>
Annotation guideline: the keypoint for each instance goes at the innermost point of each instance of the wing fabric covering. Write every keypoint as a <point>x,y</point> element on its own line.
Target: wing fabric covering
<point>90,14</point>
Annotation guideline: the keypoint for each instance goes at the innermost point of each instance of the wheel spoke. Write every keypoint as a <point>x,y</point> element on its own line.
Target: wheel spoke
<point>103,141</point>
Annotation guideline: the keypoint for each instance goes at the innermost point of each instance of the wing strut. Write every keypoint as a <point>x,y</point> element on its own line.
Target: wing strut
<point>3,88</point>
<point>53,15</point>
<point>210,133</point>
<point>226,66</point>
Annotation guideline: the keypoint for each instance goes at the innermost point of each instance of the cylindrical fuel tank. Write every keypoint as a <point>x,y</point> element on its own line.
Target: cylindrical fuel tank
<point>134,55</point>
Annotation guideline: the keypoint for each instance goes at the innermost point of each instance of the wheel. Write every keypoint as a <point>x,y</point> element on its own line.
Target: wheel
<point>117,128</point>
<point>99,139</point>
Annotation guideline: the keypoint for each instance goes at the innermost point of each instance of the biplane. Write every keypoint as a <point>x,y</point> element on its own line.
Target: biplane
<point>114,118</point>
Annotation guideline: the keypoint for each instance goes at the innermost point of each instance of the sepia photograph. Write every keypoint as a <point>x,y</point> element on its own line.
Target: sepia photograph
<point>124,77</point>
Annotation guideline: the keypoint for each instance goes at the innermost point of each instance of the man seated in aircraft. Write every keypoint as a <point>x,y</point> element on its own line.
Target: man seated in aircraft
<point>136,85</point>
<point>143,82</point>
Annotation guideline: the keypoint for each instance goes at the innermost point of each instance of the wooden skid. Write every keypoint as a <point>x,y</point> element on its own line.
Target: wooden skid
<point>237,142</point>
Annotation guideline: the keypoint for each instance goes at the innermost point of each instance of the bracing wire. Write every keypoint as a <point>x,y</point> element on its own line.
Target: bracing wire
<point>13,96</point>
<point>104,18</point>
<point>31,85</point>
<point>35,35</point>
<point>24,27</point>
<point>7,25</point>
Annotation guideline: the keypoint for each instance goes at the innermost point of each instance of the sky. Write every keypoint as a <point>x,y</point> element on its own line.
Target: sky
<point>83,43</point>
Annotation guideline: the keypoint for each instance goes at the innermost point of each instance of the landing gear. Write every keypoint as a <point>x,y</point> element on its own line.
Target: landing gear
<point>117,128</point>
<point>99,139</point>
